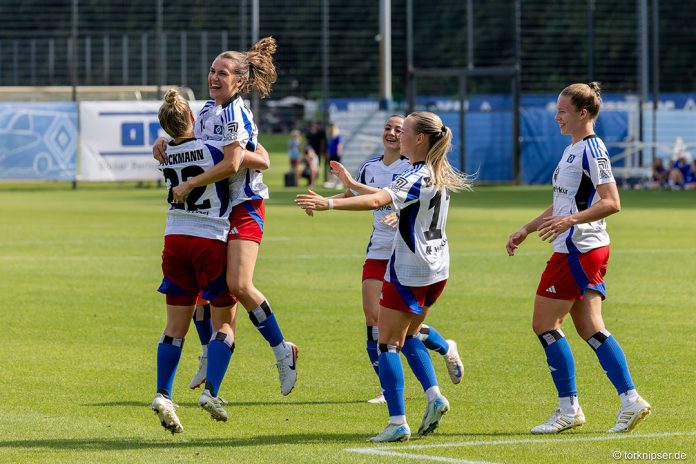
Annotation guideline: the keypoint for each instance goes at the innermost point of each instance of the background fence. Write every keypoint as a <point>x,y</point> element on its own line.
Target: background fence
<point>330,49</point>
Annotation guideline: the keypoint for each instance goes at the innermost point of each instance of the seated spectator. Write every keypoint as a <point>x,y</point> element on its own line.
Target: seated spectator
<point>690,180</point>
<point>679,172</point>
<point>308,167</point>
<point>659,175</point>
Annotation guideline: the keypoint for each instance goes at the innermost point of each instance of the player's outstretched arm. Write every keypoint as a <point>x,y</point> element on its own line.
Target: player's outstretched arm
<point>315,202</point>
<point>338,170</point>
<point>227,167</point>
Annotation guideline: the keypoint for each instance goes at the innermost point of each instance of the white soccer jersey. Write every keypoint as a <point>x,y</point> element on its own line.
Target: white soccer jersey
<point>583,167</point>
<point>377,174</point>
<point>206,209</point>
<point>229,123</point>
<point>420,254</point>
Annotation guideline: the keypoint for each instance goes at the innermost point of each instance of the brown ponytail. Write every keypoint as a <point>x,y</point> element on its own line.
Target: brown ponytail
<point>256,66</point>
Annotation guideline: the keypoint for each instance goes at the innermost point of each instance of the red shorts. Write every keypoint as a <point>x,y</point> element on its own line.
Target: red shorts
<point>374,269</point>
<point>568,275</point>
<point>191,265</point>
<point>246,221</point>
<point>410,299</point>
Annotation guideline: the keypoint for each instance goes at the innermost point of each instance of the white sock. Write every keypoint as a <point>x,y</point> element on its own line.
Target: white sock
<point>397,420</point>
<point>280,350</point>
<point>631,396</point>
<point>431,393</point>
<point>568,404</point>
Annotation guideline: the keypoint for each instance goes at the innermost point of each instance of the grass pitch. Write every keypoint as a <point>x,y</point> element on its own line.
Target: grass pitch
<point>81,321</point>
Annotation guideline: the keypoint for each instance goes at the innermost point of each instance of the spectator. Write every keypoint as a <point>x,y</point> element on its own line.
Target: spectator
<point>308,166</point>
<point>294,148</point>
<point>335,151</point>
<point>659,175</point>
<point>679,172</point>
<point>690,180</point>
<point>316,138</point>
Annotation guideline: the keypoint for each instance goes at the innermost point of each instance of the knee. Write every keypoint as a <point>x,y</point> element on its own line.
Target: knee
<point>540,326</point>
<point>239,288</point>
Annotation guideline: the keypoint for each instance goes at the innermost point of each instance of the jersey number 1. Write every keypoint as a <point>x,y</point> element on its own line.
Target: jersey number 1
<point>192,198</point>
<point>433,233</point>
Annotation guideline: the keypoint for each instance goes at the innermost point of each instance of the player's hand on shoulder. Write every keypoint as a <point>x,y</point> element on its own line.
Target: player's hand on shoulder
<point>159,148</point>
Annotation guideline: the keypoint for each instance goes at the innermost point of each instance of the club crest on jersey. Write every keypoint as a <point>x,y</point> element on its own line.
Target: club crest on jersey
<point>217,129</point>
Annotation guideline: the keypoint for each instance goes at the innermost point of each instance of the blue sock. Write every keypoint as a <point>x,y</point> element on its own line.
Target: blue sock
<point>391,377</point>
<point>561,362</point>
<point>220,351</point>
<point>168,355</point>
<point>372,336</point>
<point>432,339</point>
<point>419,360</point>
<point>264,320</point>
<point>612,359</point>
<point>204,326</point>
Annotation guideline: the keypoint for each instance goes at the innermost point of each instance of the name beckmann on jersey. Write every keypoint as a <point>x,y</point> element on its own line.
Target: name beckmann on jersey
<point>186,157</point>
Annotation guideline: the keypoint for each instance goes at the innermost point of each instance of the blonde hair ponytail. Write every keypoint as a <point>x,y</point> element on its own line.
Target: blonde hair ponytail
<point>174,114</point>
<point>440,137</point>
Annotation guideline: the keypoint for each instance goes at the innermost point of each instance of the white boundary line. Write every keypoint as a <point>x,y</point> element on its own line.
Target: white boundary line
<point>383,451</point>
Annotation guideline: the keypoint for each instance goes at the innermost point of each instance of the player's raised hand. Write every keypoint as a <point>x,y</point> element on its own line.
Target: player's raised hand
<point>338,170</point>
<point>515,240</point>
<point>159,148</point>
<point>312,201</point>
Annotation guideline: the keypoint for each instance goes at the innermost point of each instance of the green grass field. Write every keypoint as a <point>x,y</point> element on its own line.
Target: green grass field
<point>81,321</point>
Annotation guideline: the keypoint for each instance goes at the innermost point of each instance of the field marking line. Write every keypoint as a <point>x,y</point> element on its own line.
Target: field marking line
<point>382,451</point>
<point>421,457</point>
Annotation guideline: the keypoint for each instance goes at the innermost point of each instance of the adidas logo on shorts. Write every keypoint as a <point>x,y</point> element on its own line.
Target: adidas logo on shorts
<point>551,289</point>
<point>234,231</point>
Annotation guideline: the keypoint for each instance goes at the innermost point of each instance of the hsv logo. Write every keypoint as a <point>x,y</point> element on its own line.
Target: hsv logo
<point>217,129</point>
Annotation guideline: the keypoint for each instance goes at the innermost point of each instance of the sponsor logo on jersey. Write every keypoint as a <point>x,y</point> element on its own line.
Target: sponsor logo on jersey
<point>232,126</point>
<point>559,189</point>
<point>398,184</point>
<point>604,169</point>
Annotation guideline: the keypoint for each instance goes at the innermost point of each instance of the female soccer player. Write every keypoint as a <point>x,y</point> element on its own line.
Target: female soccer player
<point>377,173</point>
<point>226,115</point>
<point>584,193</point>
<point>194,255</point>
<point>418,266</point>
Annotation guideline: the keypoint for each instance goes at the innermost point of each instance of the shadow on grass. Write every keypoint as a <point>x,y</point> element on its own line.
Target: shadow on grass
<point>231,404</point>
<point>133,443</point>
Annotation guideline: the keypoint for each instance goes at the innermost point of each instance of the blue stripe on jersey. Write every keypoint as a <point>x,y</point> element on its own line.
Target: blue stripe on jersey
<point>414,192</point>
<point>363,168</point>
<point>254,214</point>
<point>247,188</point>
<point>222,187</point>
<point>369,245</point>
<point>595,148</point>
<point>574,262</point>
<point>250,130</point>
<point>404,292</point>
<point>407,222</point>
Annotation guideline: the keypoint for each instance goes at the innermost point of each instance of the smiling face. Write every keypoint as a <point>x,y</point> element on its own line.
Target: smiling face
<point>223,83</point>
<point>569,119</point>
<point>392,133</point>
<point>412,142</point>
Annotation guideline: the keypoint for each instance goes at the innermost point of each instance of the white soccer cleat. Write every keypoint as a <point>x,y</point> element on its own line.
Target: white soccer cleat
<point>199,377</point>
<point>287,370</point>
<point>630,416</point>
<point>213,405</point>
<point>434,411</point>
<point>560,421</point>
<point>392,432</point>
<point>166,412</point>
<point>379,399</point>
<point>454,362</point>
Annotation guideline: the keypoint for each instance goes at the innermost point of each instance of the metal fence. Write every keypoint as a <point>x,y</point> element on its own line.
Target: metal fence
<point>155,42</point>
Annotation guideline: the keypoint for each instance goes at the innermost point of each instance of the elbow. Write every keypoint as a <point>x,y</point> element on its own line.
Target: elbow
<point>375,203</point>
<point>615,207</point>
<point>265,164</point>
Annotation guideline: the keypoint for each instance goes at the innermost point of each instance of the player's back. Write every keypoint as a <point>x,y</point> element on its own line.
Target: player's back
<point>206,209</point>
<point>421,254</point>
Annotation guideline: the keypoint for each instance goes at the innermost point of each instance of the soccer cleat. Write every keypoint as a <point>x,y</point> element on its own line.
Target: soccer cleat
<point>454,362</point>
<point>287,370</point>
<point>213,405</point>
<point>393,432</point>
<point>630,416</point>
<point>433,413</point>
<point>379,399</point>
<point>199,377</point>
<point>560,421</point>
<point>166,412</point>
